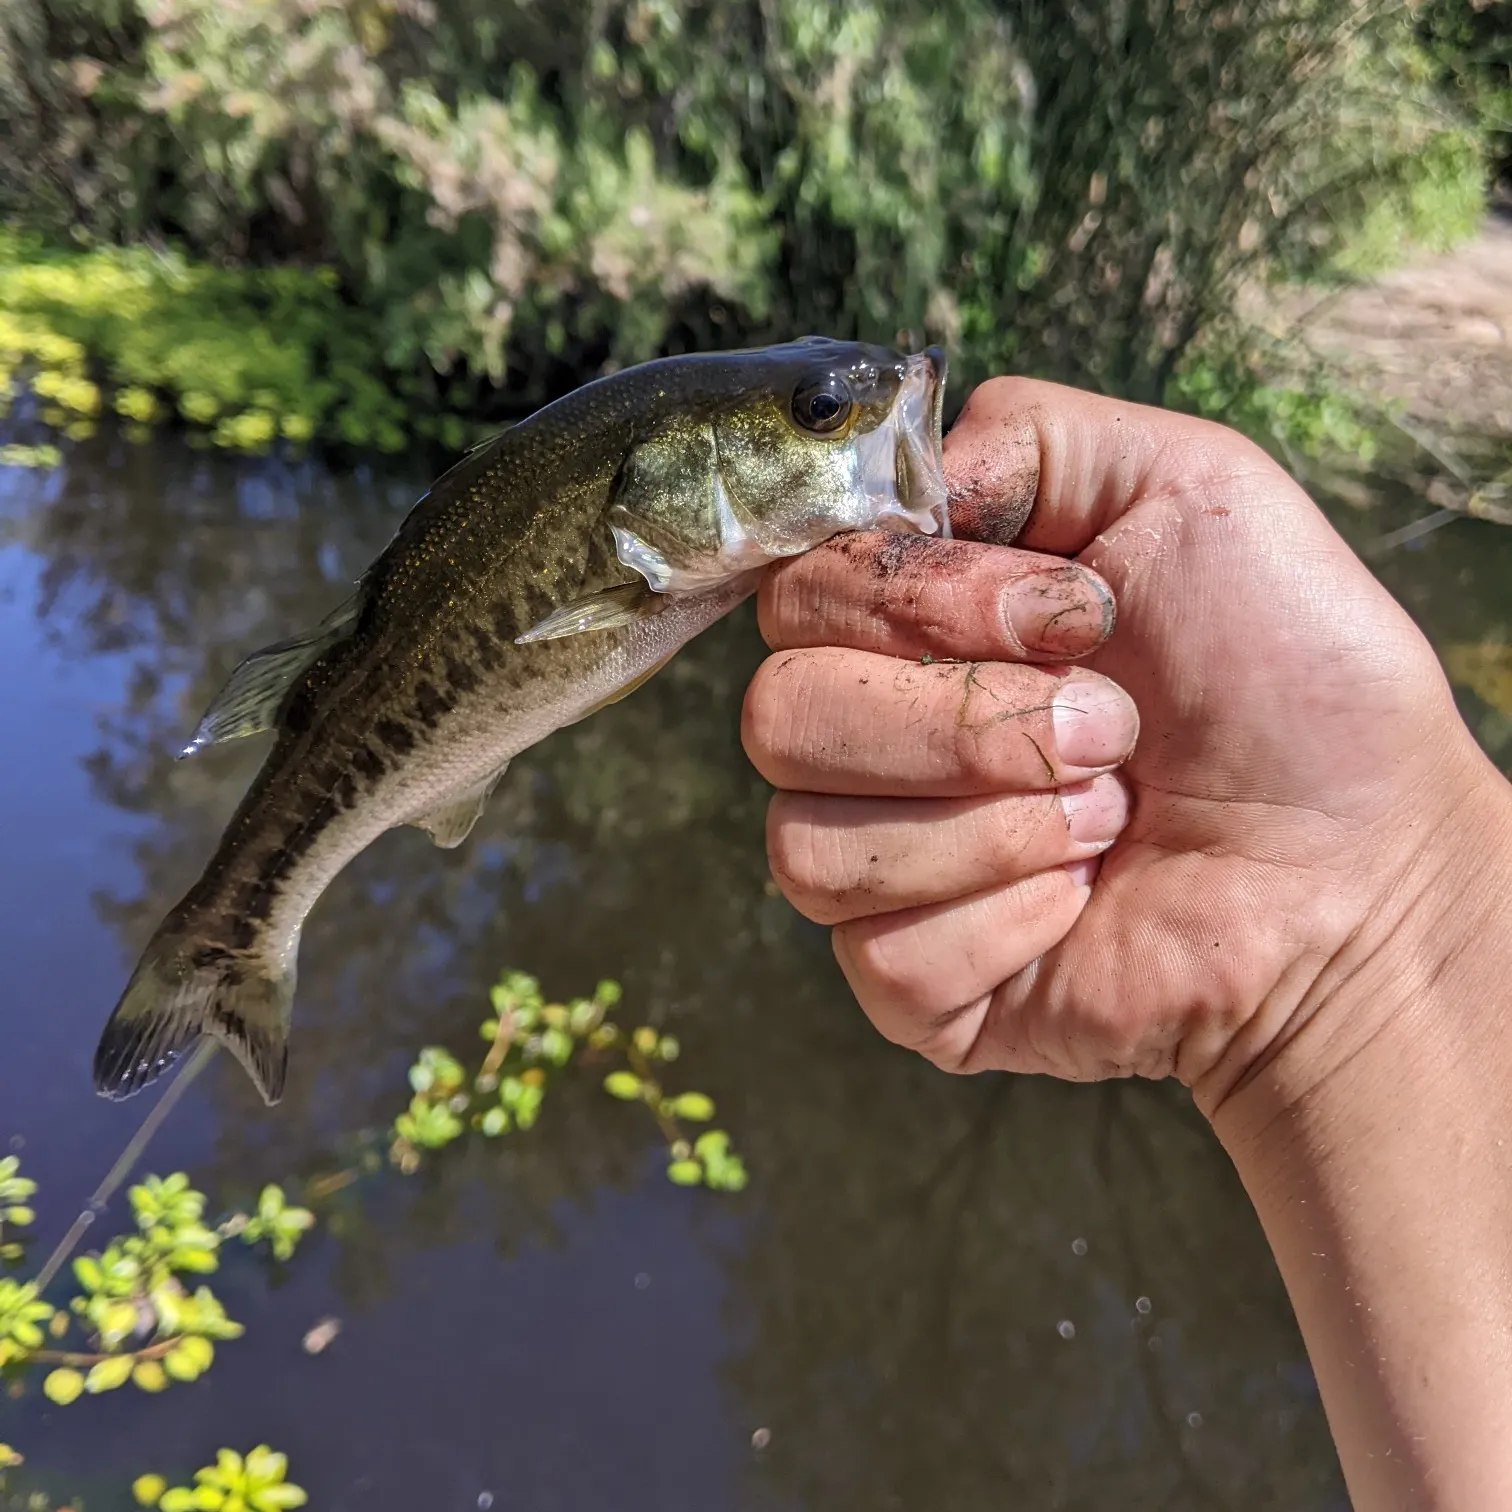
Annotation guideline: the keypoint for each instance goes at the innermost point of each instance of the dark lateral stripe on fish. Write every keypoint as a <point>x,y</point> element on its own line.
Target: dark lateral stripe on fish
<point>505,623</point>
<point>461,677</point>
<point>298,714</point>
<point>490,656</point>
<point>431,705</point>
<point>241,931</point>
<point>369,763</point>
<point>394,735</point>
<point>254,901</point>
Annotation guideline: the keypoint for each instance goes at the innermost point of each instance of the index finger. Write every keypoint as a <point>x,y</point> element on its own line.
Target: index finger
<point>913,596</point>
<point>1028,462</point>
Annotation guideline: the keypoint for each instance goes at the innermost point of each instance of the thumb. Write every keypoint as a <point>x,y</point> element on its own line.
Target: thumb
<point>1048,468</point>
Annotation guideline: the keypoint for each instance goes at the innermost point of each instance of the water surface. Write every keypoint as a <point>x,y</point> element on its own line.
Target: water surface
<point>936,1295</point>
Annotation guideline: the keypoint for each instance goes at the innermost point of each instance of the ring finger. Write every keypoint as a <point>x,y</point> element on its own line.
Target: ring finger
<point>838,858</point>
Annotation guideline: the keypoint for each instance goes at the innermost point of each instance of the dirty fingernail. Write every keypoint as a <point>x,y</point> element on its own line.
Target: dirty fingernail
<point>1084,873</point>
<point>1096,723</point>
<point>1096,811</point>
<point>1063,612</point>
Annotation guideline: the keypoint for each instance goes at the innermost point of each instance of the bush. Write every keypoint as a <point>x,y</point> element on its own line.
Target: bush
<point>513,197</point>
<point>1470,43</point>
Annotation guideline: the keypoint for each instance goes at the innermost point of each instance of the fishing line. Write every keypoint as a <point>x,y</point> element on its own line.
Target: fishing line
<point>127,1159</point>
<point>1415,531</point>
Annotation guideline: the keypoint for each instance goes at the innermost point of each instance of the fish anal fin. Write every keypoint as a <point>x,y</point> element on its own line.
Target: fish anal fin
<point>610,610</point>
<point>249,702</point>
<point>450,823</point>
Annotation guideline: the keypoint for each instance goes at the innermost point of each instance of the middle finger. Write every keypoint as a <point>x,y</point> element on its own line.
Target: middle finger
<point>830,720</point>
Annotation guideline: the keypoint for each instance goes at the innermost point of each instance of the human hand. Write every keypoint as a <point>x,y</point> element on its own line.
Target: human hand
<point>1300,803</point>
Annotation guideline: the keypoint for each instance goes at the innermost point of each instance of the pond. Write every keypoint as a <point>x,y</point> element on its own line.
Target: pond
<point>935,1293</point>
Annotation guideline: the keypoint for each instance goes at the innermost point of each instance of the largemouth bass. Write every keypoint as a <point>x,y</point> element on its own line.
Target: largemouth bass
<point>550,572</point>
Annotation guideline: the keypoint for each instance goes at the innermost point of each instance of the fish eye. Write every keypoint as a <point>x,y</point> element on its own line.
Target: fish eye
<point>822,404</point>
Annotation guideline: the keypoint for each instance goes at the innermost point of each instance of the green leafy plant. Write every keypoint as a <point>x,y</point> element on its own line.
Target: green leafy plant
<point>360,239</point>
<point>22,1314</point>
<point>1288,403</point>
<point>276,1221</point>
<point>144,1317</point>
<point>530,1040</point>
<point>252,1482</point>
<point>16,1192</point>
<point>141,1322</point>
<point>244,357</point>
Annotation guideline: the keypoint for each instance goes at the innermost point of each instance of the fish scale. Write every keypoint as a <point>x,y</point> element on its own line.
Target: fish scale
<point>548,573</point>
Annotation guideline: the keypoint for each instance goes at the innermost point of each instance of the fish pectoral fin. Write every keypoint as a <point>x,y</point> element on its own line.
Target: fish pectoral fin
<point>450,823</point>
<point>609,610</point>
<point>248,704</point>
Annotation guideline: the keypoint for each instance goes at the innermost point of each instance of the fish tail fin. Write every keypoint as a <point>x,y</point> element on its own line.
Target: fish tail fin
<point>176,994</point>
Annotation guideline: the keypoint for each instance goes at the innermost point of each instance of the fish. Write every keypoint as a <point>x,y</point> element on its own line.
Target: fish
<point>551,571</point>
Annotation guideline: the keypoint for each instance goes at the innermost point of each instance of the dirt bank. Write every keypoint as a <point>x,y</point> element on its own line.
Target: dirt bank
<point>1435,335</point>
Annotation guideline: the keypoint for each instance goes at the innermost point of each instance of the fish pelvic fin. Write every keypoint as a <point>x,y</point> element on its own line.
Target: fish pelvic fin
<point>178,993</point>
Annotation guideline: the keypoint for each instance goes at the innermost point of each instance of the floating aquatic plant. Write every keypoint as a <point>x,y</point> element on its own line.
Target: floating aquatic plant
<point>252,1482</point>
<point>529,1041</point>
<point>15,1194</point>
<point>141,1315</point>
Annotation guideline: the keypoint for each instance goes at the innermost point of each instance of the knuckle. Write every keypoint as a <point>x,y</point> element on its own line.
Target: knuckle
<point>948,1040</point>
<point>979,753</point>
<point>891,969</point>
<point>974,759</point>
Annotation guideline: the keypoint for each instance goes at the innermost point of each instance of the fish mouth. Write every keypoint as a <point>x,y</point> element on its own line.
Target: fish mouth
<point>920,497</point>
<point>939,366</point>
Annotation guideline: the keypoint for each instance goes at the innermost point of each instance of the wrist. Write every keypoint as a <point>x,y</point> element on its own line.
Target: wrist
<point>1375,1145</point>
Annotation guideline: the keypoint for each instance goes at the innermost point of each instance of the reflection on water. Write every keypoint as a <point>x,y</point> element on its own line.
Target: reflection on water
<point>936,1294</point>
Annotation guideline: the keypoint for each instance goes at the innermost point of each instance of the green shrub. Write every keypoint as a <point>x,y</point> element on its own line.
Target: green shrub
<point>506,198</point>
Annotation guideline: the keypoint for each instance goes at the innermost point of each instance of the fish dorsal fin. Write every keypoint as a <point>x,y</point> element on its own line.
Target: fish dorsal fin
<point>248,704</point>
<point>609,610</point>
<point>450,823</point>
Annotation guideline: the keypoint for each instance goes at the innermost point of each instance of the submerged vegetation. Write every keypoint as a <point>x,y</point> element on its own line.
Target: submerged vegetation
<point>142,1316</point>
<point>397,221</point>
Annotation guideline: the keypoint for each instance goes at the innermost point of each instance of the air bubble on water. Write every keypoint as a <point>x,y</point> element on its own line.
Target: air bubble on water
<point>1078,1246</point>
<point>761,1438</point>
<point>485,1500</point>
<point>642,1281</point>
<point>1194,1420</point>
<point>1142,1305</point>
<point>1066,1328</point>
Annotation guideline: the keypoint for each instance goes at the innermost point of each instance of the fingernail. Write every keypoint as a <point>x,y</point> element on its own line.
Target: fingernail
<point>1096,723</point>
<point>1063,612</point>
<point>1084,873</point>
<point>1096,811</point>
